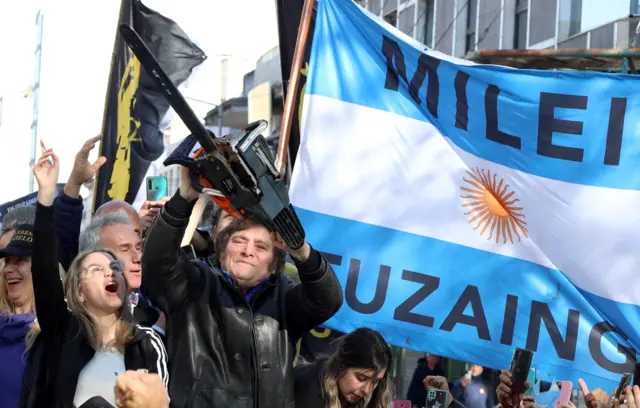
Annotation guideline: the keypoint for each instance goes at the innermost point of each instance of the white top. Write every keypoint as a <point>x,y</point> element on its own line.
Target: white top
<point>98,377</point>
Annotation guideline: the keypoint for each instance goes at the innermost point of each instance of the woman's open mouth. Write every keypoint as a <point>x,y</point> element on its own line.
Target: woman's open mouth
<point>13,282</point>
<point>112,287</point>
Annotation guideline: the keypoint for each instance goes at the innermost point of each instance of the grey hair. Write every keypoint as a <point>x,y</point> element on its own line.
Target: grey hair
<point>90,237</point>
<point>19,216</point>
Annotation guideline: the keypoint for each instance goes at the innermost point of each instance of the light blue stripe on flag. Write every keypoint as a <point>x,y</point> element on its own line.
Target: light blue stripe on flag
<point>473,305</point>
<point>348,64</point>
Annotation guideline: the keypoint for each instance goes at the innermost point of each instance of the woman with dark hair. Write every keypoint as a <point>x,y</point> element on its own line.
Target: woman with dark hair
<point>356,375</point>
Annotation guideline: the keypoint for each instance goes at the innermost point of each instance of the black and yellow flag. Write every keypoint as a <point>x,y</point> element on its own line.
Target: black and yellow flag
<point>136,112</point>
<point>289,15</point>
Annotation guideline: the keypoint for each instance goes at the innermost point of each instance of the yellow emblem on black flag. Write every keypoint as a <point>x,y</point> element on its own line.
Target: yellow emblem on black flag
<point>127,130</point>
<point>133,125</point>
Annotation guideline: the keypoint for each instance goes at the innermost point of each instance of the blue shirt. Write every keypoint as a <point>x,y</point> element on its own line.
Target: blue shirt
<point>250,293</point>
<point>13,330</point>
<point>477,394</point>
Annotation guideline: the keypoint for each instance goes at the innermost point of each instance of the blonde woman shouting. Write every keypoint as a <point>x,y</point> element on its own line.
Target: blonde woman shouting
<point>88,340</point>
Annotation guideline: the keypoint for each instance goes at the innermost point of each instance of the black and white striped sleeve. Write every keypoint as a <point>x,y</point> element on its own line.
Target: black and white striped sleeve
<point>159,365</point>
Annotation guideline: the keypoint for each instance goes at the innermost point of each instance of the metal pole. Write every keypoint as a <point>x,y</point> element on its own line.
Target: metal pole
<point>36,100</point>
<point>292,90</point>
<point>398,369</point>
<point>223,78</point>
<point>125,9</point>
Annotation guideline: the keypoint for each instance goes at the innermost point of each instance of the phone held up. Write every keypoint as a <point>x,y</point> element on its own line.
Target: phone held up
<point>436,399</point>
<point>531,377</point>
<point>156,188</point>
<point>520,366</point>
<point>566,389</point>
<point>636,375</point>
<point>624,383</point>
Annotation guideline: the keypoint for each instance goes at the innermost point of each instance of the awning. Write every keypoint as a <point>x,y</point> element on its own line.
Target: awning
<point>596,59</point>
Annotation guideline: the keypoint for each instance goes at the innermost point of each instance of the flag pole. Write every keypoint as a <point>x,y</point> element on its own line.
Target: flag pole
<point>292,90</point>
<point>125,7</point>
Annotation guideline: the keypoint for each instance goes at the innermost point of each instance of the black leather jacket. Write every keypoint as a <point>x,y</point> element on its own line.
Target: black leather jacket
<point>223,351</point>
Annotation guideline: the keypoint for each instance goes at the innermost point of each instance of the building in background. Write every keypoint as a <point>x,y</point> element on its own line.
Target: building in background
<point>456,27</point>
<point>233,112</point>
<point>261,98</point>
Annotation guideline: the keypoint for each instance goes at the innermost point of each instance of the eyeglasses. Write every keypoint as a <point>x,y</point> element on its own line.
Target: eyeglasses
<point>116,266</point>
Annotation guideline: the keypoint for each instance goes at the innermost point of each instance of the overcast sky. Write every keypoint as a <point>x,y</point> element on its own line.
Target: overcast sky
<point>77,46</point>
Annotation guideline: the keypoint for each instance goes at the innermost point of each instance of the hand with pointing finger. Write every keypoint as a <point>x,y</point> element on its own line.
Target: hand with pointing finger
<point>83,170</point>
<point>595,398</point>
<point>46,171</point>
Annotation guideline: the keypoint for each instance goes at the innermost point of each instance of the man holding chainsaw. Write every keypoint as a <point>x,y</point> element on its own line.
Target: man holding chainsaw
<point>232,333</point>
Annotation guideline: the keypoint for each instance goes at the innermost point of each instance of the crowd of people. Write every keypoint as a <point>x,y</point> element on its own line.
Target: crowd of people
<point>120,314</point>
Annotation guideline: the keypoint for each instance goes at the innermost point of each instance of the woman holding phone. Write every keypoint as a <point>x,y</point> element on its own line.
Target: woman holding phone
<point>88,339</point>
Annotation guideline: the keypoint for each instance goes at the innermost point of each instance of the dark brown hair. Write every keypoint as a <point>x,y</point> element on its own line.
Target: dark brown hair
<point>361,349</point>
<point>223,237</point>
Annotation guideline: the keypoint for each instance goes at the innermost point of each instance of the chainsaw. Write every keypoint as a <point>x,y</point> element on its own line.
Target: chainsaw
<point>237,170</point>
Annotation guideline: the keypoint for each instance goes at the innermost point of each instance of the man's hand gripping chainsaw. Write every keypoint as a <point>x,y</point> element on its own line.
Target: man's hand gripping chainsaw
<point>236,170</point>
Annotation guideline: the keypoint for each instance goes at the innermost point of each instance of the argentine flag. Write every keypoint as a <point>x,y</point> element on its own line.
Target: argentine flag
<point>471,209</point>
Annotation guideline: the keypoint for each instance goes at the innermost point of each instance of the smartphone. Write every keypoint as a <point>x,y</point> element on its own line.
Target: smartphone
<point>436,399</point>
<point>520,366</point>
<point>531,377</point>
<point>636,375</point>
<point>156,188</point>
<point>624,383</point>
<point>401,404</point>
<point>566,388</point>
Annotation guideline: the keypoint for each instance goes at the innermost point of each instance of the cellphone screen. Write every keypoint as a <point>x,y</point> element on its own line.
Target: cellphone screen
<point>156,188</point>
<point>532,381</point>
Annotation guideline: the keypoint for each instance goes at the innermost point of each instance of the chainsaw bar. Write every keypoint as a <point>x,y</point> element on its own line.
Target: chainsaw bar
<point>241,177</point>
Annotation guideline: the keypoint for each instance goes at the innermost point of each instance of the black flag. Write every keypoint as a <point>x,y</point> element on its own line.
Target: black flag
<point>135,111</point>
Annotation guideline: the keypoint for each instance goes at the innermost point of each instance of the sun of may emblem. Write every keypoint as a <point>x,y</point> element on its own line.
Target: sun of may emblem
<point>491,205</point>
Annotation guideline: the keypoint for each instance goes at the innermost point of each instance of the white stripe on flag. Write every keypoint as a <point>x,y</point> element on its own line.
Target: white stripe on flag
<point>383,169</point>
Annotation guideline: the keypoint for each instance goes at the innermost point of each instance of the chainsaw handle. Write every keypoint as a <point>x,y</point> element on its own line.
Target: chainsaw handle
<point>194,179</point>
<point>200,184</point>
